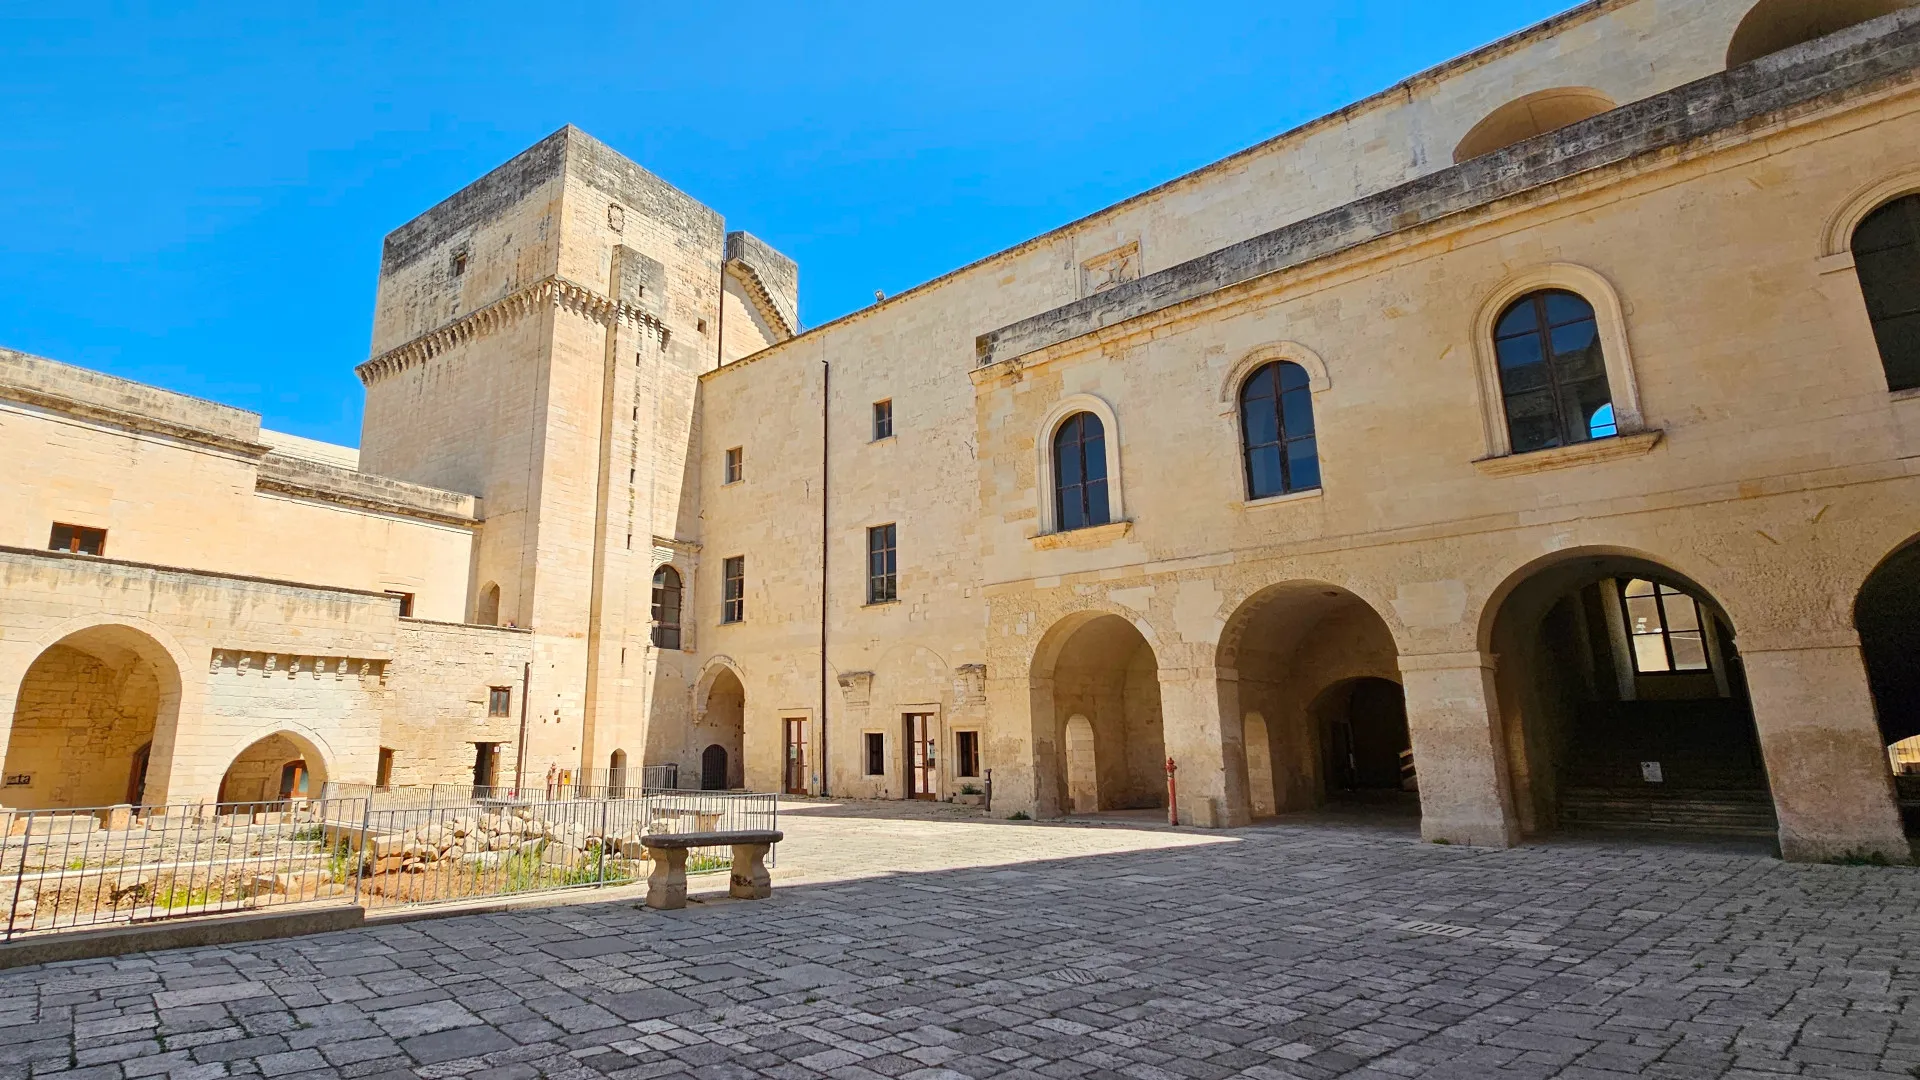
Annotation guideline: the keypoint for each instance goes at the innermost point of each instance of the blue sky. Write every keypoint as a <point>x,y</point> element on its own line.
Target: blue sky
<point>194,195</point>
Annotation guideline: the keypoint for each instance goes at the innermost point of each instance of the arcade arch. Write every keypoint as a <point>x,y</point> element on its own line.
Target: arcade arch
<point>1321,706</point>
<point>279,768</point>
<point>1886,613</point>
<point>1105,685</point>
<point>87,715</point>
<point>720,732</point>
<point>1624,701</point>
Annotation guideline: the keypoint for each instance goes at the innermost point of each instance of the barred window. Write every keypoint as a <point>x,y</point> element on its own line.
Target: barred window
<point>883,568</point>
<point>733,589</point>
<point>666,608</point>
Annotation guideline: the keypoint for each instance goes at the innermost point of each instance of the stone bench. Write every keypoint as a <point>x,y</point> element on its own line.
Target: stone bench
<point>667,883</point>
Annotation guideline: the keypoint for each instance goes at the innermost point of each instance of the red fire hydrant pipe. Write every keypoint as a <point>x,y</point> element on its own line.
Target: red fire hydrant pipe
<point>1173,796</point>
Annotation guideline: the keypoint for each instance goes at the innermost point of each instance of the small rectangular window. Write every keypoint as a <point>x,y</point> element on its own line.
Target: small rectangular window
<point>500,701</point>
<point>966,752</point>
<point>78,538</point>
<point>459,263</point>
<point>876,754</point>
<point>883,420</point>
<point>883,578</point>
<point>383,774</point>
<point>733,581</point>
<point>735,465</point>
<point>406,602</point>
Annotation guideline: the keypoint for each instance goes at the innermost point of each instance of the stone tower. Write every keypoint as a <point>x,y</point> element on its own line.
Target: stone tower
<point>537,342</point>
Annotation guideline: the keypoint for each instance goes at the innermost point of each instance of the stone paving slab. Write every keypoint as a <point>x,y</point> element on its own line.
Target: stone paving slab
<point>932,946</point>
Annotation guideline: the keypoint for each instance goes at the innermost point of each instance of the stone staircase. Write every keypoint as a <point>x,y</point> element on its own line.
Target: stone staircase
<point>1719,813</point>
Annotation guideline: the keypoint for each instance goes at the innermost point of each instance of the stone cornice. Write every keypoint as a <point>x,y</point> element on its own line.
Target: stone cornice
<point>1881,53</point>
<point>762,298</point>
<point>129,421</point>
<point>554,291</point>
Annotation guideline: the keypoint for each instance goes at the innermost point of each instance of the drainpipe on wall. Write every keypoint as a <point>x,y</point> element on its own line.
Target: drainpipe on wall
<point>826,410</point>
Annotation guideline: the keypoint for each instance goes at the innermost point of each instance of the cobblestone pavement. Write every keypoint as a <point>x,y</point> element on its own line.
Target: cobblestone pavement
<point>936,944</point>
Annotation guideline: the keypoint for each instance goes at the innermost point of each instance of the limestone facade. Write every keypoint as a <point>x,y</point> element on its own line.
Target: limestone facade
<point>580,378</point>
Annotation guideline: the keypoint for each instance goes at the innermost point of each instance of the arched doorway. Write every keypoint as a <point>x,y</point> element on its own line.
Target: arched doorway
<point>278,769</point>
<point>617,774</point>
<point>720,732</point>
<point>1887,615</point>
<point>1322,712</point>
<point>1106,700</point>
<point>84,724</point>
<point>713,768</point>
<point>1624,701</point>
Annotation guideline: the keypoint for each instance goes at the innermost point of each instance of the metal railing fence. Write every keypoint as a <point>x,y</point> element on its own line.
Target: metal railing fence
<point>81,868</point>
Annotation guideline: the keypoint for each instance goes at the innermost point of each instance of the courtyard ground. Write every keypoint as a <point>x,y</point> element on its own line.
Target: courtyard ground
<point>935,943</point>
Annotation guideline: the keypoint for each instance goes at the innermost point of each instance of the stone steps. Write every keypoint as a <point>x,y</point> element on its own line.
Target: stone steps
<point>1731,813</point>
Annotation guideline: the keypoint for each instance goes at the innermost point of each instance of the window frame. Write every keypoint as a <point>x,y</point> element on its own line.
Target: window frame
<point>1283,440</point>
<point>1911,201</point>
<point>1568,430</point>
<point>406,602</point>
<point>1046,503</point>
<point>872,742</point>
<point>734,467</point>
<point>733,589</point>
<point>663,633</point>
<point>76,536</point>
<point>883,563</point>
<point>1665,632</point>
<point>1615,348</point>
<point>967,759</point>
<point>499,702</point>
<point>882,420</point>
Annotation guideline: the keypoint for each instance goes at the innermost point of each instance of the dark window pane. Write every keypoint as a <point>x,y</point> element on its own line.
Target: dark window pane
<point>1093,458</point>
<point>1890,281</point>
<point>1066,465</point>
<point>1890,226</point>
<point>1260,386</point>
<point>1097,502</point>
<point>1072,516</point>
<point>1572,341</point>
<point>1292,377</point>
<point>1520,318</point>
<point>1090,427</point>
<point>1578,402</point>
<point>1532,423</point>
<point>1900,351</point>
<point>1566,307</point>
<point>1303,464</point>
<point>1522,368</point>
<point>1263,472</point>
<point>1297,413</point>
<point>1262,424</point>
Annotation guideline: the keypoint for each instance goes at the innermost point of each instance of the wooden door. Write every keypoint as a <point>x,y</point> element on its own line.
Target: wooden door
<point>922,773</point>
<point>796,755</point>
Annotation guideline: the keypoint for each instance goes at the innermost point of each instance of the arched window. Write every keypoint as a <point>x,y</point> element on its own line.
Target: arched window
<point>666,608</point>
<point>1886,255</point>
<point>1553,375</point>
<point>1276,431</point>
<point>1665,628</point>
<point>1080,473</point>
<point>487,611</point>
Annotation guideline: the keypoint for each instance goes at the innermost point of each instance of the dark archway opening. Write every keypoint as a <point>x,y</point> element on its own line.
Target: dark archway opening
<point>1887,615</point>
<point>1625,704</point>
<point>713,768</point>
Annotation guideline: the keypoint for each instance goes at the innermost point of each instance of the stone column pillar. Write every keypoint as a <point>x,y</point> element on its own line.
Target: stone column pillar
<point>1200,718</point>
<point>1459,752</point>
<point>1832,785</point>
<point>1020,747</point>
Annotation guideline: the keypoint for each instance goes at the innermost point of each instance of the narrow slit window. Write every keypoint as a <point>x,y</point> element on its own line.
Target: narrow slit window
<point>883,420</point>
<point>736,465</point>
<point>876,754</point>
<point>966,753</point>
<point>733,589</point>
<point>883,568</point>
<point>666,608</point>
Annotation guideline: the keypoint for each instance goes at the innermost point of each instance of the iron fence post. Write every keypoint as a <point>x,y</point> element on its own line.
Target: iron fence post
<point>600,856</point>
<point>19,876</point>
<point>360,863</point>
